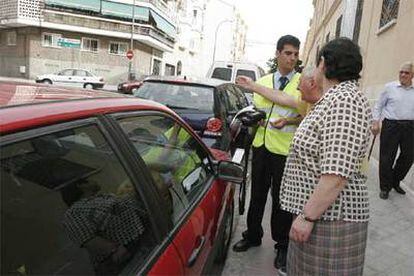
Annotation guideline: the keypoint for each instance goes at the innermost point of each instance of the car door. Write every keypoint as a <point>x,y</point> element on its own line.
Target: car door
<point>80,77</point>
<point>71,204</point>
<point>182,171</point>
<point>64,77</point>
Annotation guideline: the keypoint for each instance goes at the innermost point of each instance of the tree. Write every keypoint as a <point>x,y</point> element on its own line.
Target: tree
<point>272,64</point>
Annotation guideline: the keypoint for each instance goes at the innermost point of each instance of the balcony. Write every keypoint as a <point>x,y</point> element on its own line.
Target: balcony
<point>109,27</point>
<point>96,15</point>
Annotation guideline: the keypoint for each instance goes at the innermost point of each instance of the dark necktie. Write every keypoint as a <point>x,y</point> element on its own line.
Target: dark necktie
<point>283,82</point>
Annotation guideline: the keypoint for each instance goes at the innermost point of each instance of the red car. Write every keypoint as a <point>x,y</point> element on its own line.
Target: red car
<point>127,87</point>
<point>101,183</point>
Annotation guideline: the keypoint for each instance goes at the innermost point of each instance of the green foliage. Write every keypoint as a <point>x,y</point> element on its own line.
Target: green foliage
<point>272,64</point>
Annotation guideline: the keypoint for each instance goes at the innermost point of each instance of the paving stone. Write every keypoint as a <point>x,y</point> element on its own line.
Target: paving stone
<point>390,247</point>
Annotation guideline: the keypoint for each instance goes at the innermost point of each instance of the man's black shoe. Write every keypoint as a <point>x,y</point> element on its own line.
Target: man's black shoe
<point>383,194</point>
<point>280,260</point>
<point>399,190</point>
<point>244,245</point>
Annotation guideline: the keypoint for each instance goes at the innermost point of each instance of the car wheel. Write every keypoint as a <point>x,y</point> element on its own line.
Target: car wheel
<point>47,81</point>
<point>225,235</point>
<point>88,86</point>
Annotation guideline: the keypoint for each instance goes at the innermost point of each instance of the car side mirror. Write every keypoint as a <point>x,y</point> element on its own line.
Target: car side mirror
<point>230,171</point>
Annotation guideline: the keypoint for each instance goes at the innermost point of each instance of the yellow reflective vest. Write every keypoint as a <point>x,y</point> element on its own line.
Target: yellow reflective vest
<point>276,140</point>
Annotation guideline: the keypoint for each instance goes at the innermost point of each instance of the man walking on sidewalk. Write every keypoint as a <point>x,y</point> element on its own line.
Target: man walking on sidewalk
<point>396,106</point>
<point>270,148</point>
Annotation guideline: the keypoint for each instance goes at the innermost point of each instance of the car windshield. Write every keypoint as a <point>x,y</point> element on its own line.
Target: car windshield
<point>178,96</point>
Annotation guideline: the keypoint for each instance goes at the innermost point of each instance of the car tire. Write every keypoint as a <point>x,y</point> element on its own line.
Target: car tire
<point>47,81</point>
<point>88,86</point>
<point>225,235</point>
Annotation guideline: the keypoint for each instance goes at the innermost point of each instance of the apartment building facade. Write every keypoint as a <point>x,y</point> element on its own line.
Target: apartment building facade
<point>44,36</point>
<point>384,31</point>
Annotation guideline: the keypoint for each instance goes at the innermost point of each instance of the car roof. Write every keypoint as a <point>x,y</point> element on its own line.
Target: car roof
<point>75,69</point>
<point>239,63</point>
<point>25,105</point>
<point>187,80</point>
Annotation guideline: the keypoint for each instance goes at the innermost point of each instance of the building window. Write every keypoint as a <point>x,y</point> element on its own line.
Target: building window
<point>179,68</point>
<point>118,48</point>
<point>156,67</point>
<point>50,40</point>
<point>11,38</point>
<point>89,44</point>
<point>169,70</point>
<point>389,11</point>
<point>338,27</point>
<point>194,18</point>
<point>358,17</point>
<point>317,56</point>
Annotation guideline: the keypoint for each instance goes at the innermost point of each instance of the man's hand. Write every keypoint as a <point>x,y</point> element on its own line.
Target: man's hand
<point>279,123</point>
<point>245,82</point>
<point>300,230</point>
<point>375,127</point>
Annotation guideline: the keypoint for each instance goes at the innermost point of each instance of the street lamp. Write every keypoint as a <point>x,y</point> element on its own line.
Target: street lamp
<point>215,35</point>
<point>132,41</point>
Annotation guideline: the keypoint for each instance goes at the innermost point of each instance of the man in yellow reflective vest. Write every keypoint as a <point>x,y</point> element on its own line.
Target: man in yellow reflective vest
<point>270,148</point>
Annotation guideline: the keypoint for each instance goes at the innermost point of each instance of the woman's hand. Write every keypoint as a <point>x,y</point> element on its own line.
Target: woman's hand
<point>120,254</point>
<point>300,230</point>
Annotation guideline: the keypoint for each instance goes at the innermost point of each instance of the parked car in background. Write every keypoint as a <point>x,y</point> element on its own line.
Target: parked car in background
<point>102,183</point>
<point>128,86</point>
<point>229,71</point>
<point>208,106</point>
<point>73,77</point>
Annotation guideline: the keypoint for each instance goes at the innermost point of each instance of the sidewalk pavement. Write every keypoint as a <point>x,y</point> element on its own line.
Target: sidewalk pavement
<point>107,87</point>
<point>390,247</point>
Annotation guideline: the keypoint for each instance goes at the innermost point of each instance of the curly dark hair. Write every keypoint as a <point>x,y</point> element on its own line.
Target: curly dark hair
<point>287,39</point>
<point>343,60</point>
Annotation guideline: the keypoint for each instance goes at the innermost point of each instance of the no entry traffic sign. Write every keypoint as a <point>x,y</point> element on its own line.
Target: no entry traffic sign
<point>130,54</point>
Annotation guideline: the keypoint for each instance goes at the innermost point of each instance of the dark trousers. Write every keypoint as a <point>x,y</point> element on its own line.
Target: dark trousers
<point>395,134</point>
<point>267,172</point>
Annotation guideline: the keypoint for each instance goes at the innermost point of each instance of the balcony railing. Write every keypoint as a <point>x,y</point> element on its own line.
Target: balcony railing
<point>110,26</point>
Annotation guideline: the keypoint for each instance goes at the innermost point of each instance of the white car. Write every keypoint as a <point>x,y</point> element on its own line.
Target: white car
<point>229,71</point>
<point>73,77</point>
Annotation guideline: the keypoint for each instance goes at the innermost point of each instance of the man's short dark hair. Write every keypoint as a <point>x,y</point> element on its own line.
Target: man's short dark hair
<point>287,39</point>
<point>343,60</point>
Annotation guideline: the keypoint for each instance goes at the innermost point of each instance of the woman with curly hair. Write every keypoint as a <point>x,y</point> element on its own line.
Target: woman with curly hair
<point>323,183</point>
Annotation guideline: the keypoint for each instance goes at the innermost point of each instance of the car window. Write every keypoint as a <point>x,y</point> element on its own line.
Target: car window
<point>248,73</point>
<point>67,72</point>
<point>69,208</point>
<point>178,164</point>
<point>222,73</point>
<point>81,73</point>
<point>178,96</point>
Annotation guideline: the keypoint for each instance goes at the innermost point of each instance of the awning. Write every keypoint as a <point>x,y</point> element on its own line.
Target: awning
<point>124,11</point>
<point>163,24</point>
<point>90,5</point>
